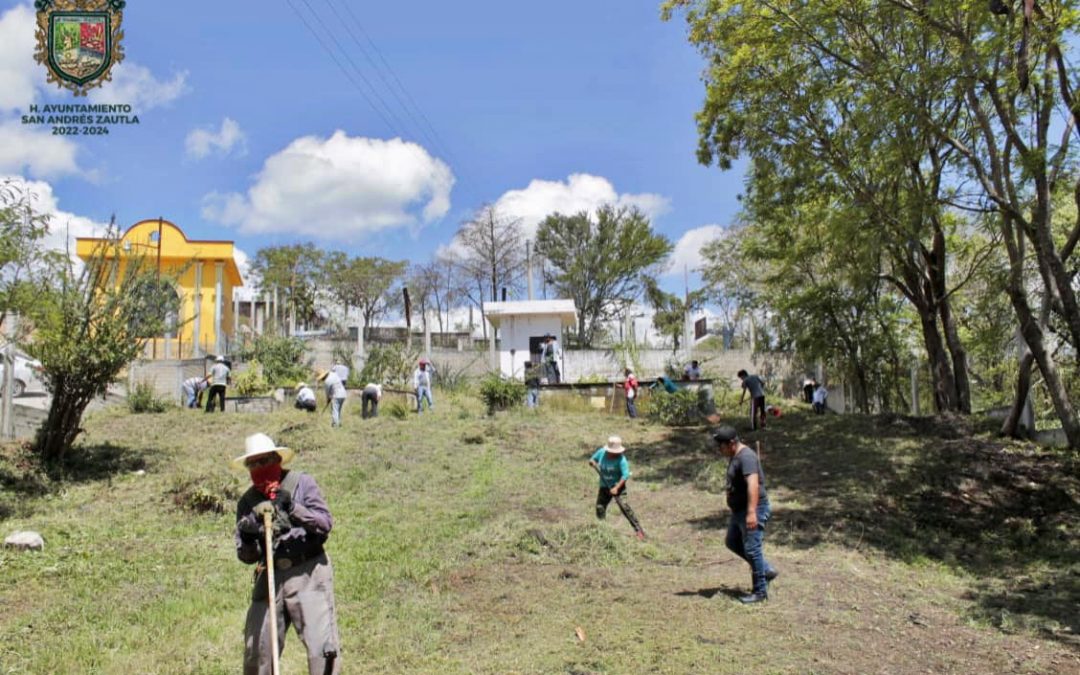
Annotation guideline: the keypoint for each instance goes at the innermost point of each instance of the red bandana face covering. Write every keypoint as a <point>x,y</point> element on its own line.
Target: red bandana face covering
<point>267,478</point>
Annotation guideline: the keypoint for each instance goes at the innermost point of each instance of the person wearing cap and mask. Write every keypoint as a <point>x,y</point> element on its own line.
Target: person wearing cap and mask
<point>610,462</point>
<point>303,577</point>
<point>749,504</point>
<point>305,397</point>
<point>219,379</point>
<point>335,395</point>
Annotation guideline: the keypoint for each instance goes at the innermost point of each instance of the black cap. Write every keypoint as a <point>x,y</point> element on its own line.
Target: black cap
<point>725,434</point>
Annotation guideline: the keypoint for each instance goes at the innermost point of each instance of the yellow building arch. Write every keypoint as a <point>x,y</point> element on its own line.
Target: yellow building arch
<point>206,274</point>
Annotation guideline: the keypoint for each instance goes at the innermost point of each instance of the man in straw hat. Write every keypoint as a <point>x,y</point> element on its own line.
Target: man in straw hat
<point>335,394</point>
<point>305,397</point>
<point>749,504</point>
<point>610,462</point>
<point>303,577</point>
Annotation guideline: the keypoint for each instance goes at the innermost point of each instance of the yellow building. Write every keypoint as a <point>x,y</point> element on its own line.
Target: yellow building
<point>206,274</point>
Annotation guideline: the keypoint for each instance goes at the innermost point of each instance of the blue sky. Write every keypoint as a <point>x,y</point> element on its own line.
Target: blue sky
<point>250,131</point>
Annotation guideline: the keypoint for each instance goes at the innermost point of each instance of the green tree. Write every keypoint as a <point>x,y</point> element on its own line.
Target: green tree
<point>601,262</point>
<point>92,325</point>
<point>25,267</point>
<point>296,272</point>
<point>670,312</point>
<point>370,284</point>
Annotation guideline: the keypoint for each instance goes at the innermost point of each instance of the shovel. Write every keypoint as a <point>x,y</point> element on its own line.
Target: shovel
<point>268,528</point>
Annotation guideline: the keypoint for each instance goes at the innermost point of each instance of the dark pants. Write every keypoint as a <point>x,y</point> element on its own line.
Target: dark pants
<point>604,497</point>
<point>819,408</point>
<point>552,369</point>
<point>757,412</point>
<point>631,409</point>
<point>749,544</point>
<point>217,390</point>
<point>808,393</point>
<point>365,399</point>
<point>306,405</point>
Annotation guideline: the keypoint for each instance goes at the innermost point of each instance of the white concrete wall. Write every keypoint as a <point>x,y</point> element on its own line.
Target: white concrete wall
<point>514,335</point>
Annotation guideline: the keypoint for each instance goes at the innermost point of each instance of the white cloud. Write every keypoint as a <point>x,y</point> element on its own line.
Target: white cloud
<point>339,188</point>
<point>136,85</point>
<point>64,226</point>
<point>36,151</point>
<point>580,192</point>
<point>20,75</point>
<point>201,142</point>
<point>687,252</point>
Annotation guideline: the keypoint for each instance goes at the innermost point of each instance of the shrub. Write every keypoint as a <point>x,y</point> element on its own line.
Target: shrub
<point>145,399</point>
<point>683,408</point>
<point>281,358</point>
<point>500,393</point>
<point>251,382</point>
<point>390,364</point>
<point>451,379</point>
<point>204,495</point>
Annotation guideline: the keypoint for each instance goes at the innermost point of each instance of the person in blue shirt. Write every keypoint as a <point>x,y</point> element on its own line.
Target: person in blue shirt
<point>610,462</point>
<point>665,382</point>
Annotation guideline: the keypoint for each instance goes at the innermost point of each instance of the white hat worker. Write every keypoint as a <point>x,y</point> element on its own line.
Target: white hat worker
<point>261,444</point>
<point>614,446</point>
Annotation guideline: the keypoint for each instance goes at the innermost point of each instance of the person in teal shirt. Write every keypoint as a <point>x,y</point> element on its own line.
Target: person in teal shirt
<point>610,462</point>
<point>665,382</point>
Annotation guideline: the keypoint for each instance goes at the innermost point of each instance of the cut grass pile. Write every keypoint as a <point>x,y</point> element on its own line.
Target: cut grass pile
<point>467,544</point>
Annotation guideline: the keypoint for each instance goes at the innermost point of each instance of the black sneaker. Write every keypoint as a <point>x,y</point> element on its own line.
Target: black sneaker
<point>771,574</point>
<point>753,597</point>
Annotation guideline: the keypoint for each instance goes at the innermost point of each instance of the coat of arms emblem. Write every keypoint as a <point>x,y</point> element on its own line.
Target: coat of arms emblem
<point>78,41</point>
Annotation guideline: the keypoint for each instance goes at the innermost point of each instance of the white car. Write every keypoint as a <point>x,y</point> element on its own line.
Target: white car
<point>27,371</point>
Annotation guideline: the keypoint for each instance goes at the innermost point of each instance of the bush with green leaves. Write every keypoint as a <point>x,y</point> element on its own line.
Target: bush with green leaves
<point>685,407</point>
<point>390,364</point>
<point>251,382</point>
<point>500,393</point>
<point>281,358</point>
<point>449,378</point>
<point>144,399</point>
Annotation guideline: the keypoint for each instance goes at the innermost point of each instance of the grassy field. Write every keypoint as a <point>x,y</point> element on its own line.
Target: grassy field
<point>468,544</point>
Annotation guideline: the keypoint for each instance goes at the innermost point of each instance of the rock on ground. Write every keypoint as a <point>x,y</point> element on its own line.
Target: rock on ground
<point>25,541</point>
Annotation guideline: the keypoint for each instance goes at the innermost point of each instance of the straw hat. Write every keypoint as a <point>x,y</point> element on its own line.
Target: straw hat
<point>261,444</point>
<point>321,374</point>
<point>614,446</point>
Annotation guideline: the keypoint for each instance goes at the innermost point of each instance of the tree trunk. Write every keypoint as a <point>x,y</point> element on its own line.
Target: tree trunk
<point>1011,426</point>
<point>1033,335</point>
<point>941,372</point>
<point>61,427</point>
<point>959,358</point>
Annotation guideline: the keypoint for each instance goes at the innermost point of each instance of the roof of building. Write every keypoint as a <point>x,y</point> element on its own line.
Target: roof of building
<point>563,309</point>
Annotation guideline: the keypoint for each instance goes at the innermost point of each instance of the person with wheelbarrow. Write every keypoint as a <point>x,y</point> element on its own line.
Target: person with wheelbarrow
<point>282,523</point>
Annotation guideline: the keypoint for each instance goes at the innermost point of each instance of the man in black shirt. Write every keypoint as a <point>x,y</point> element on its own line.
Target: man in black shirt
<point>749,504</point>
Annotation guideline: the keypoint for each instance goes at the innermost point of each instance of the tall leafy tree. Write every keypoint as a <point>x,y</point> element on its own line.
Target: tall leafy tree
<point>600,261</point>
<point>670,312</point>
<point>296,272</point>
<point>370,284</point>
<point>93,324</point>
<point>810,91</point>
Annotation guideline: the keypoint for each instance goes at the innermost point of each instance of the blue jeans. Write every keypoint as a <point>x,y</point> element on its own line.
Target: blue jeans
<point>189,398</point>
<point>748,544</point>
<point>335,411</point>
<point>421,394</point>
<point>532,397</point>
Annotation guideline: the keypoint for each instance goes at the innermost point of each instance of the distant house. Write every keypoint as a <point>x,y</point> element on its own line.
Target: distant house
<point>206,273</point>
<point>522,326</point>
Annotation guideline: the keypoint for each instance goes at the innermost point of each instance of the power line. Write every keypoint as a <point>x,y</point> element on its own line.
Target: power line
<point>379,72</point>
<point>437,140</point>
<point>390,125</point>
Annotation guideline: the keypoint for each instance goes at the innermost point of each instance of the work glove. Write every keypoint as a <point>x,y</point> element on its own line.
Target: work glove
<point>250,528</point>
<point>283,501</point>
